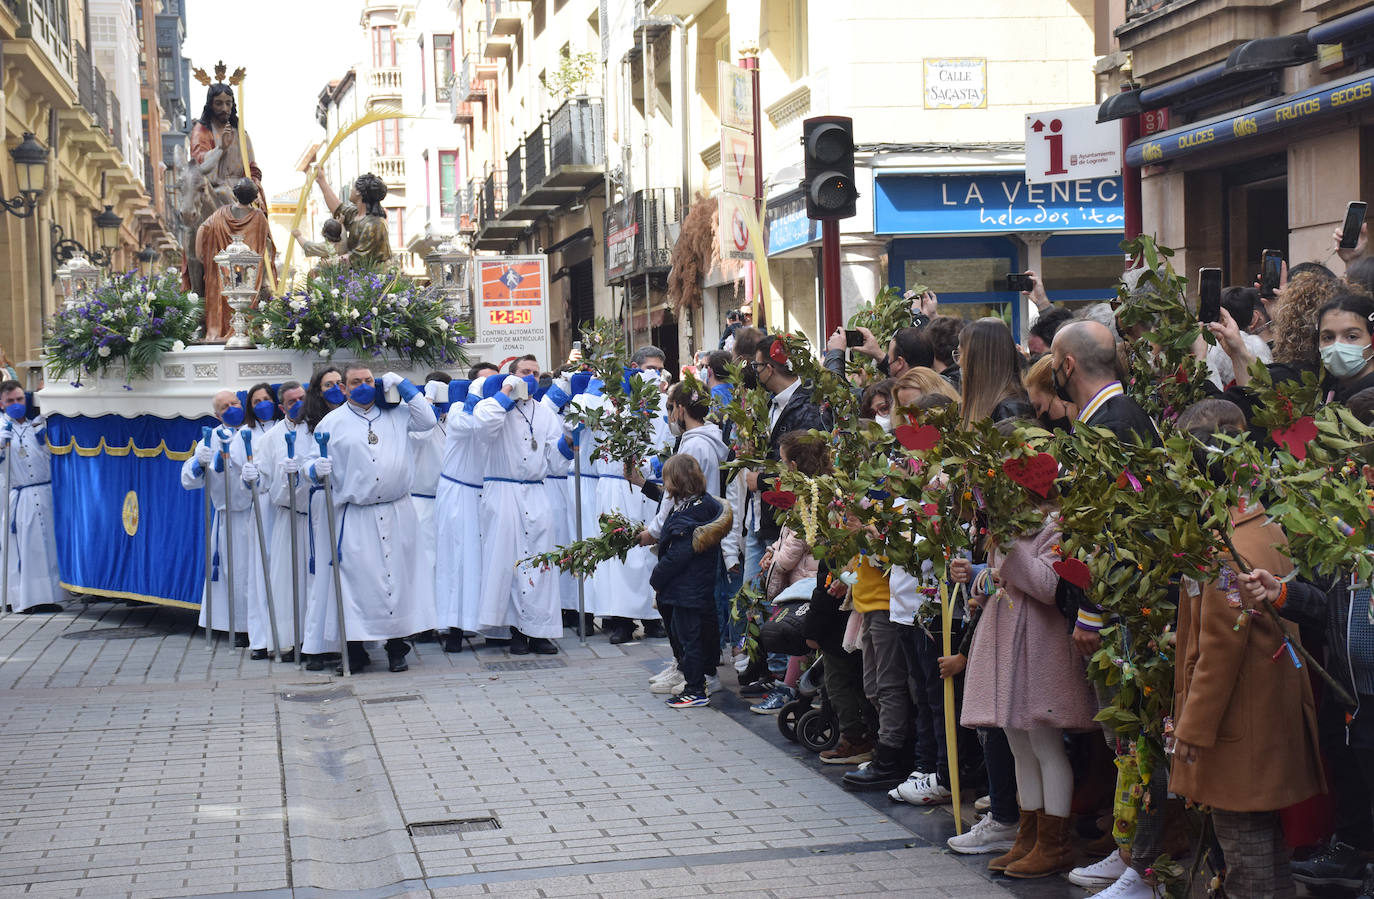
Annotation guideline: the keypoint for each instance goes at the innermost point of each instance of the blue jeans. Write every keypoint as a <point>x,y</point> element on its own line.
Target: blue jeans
<point>754,548</point>
<point>727,585</point>
<point>1001,775</point>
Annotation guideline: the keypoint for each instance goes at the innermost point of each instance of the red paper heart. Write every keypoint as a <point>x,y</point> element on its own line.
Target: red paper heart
<point>782,499</point>
<point>1075,571</point>
<point>930,509</point>
<point>778,352</point>
<point>1036,474</point>
<point>922,438</point>
<point>1296,436</point>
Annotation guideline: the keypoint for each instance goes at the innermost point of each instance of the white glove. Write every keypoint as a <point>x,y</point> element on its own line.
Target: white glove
<point>390,380</point>
<point>291,465</point>
<point>205,455</point>
<point>250,473</point>
<point>40,422</point>
<point>323,467</point>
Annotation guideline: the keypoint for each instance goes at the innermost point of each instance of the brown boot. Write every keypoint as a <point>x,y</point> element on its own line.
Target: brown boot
<point>1051,854</point>
<point>1025,842</point>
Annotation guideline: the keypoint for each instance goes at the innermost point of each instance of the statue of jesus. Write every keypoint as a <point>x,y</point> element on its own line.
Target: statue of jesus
<point>239,217</point>
<point>214,166</point>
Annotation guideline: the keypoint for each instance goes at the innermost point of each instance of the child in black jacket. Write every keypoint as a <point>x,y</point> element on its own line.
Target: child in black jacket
<point>684,579</point>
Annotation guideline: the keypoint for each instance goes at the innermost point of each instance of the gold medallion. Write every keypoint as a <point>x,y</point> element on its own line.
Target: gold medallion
<point>371,437</point>
<point>130,513</point>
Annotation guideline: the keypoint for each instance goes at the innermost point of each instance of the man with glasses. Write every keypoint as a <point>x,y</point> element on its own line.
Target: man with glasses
<point>909,348</point>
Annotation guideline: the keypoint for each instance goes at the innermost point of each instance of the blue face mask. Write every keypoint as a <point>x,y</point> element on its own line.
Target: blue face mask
<point>232,416</point>
<point>363,394</point>
<point>442,408</point>
<point>17,411</point>
<point>265,410</point>
<point>334,396</point>
<point>532,382</point>
<point>295,413</point>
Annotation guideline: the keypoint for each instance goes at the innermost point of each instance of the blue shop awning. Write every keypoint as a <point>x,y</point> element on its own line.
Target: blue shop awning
<point>1255,121</point>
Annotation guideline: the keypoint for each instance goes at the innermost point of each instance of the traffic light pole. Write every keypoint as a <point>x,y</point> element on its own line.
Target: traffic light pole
<point>830,274</point>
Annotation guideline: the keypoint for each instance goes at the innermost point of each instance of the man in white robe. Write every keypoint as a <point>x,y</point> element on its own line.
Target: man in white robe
<point>278,470</point>
<point>427,448</point>
<point>458,570</point>
<point>521,437</point>
<point>206,470</point>
<point>371,468</point>
<point>26,463</point>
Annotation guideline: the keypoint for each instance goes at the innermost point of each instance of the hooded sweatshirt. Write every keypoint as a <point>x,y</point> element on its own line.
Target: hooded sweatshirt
<point>705,446</point>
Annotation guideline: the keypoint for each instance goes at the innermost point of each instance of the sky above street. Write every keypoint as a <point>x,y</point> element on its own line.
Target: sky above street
<point>293,48</point>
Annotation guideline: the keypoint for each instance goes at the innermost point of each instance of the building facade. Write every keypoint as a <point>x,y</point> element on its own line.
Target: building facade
<point>1251,124</point>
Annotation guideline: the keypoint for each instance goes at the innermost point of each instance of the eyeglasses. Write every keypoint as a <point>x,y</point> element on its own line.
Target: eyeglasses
<point>759,366</point>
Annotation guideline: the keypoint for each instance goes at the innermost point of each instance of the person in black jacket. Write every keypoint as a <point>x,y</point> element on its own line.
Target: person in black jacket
<point>823,628</point>
<point>684,580</point>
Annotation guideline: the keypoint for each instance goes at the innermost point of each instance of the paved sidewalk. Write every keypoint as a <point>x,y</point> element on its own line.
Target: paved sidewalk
<point>134,762</point>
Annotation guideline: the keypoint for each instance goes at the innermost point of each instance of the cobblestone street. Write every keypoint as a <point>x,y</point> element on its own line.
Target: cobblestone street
<point>137,763</point>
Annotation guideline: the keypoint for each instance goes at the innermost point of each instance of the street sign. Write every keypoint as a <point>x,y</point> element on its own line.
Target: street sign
<point>513,306</point>
<point>738,166</point>
<point>956,83</point>
<point>734,226</point>
<point>1070,145</point>
<point>736,97</point>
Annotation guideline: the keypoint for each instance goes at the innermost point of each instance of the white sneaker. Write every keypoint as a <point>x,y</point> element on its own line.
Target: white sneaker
<point>1129,885</point>
<point>982,804</point>
<point>985,836</point>
<point>741,663</point>
<point>925,791</point>
<point>671,684</point>
<point>668,671</point>
<point>1103,873</point>
<point>675,687</point>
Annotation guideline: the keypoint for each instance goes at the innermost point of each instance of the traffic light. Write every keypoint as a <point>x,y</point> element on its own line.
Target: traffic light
<point>828,143</point>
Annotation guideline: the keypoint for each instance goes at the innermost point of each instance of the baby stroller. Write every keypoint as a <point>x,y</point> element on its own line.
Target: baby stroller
<point>802,721</point>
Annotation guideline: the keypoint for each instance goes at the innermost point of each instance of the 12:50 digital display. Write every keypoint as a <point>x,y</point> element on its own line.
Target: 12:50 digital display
<point>510,316</point>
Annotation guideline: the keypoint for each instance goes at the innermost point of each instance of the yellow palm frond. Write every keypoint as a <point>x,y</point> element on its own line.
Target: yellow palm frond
<point>380,114</point>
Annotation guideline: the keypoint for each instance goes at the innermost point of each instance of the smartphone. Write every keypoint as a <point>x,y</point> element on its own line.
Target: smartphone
<point>1271,267</point>
<point>1209,295</point>
<point>1021,282</point>
<point>577,346</point>
<point>1354,218</point>
<point>853,338</point>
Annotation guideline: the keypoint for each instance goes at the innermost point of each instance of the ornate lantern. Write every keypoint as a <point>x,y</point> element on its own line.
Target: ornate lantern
<point>448,273</point>
<point>77,277</point>
<point>238,278</point>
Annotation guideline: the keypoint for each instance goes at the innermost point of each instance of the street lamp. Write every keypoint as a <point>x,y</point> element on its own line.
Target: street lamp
<point>238,280</point>
<point>30,159</point>
<point>78,277</point>
<point>107,228</point>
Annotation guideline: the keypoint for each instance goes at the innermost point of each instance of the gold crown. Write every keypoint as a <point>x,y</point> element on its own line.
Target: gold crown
<point>220,69</point>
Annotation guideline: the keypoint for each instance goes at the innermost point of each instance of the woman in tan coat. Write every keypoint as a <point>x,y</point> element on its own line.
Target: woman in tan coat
<point>1245,724</point>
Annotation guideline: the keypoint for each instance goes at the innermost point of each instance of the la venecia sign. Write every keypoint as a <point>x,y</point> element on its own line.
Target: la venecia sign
<point>971,203</point>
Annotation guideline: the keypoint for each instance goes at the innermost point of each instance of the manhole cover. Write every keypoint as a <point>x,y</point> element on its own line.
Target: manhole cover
<point>523,664</point>
<point>116,633</point>
<point>316,695</point>
<point>413,697</point>
<point>458,825</point>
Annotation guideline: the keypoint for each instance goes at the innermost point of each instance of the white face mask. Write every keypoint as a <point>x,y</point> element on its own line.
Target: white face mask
<point>704,374</point>
<point>674,428</point>
<point>885,422</point>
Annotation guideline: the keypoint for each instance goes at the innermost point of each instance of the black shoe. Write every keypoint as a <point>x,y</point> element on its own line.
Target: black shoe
<point>45,608</point>
<point>241,640</point>
<point>758,688</point>
<point>543,646</point>
<point>622,630</point>
<point>288,656</point>
<point>453,641</point>
<point>1338,865</point>
<point>1367,891</point>
<point>314,663</point>
<point>498,641</point>
<point>426,637</point>
<point>570,619</point>
<point>653,627</point>
<point>519,643</point>
<point>258,655</point>
<point>882,773</point>
<point>396,661</point>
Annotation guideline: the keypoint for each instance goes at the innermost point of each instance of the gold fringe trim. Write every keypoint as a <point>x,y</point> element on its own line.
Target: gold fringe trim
<point>103,447</point>
<point>120,594</point>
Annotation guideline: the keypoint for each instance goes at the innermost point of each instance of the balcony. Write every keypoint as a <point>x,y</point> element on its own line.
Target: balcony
<point>466,216</point>
<point>1169,38</point>
<point>637,239</point>
<point>46,24</point>
<point>116,128</point>
<point>515,187</point>
<point>385,83</point>
<point>498,46</point>
<point>458,110</point>
<point>494,230</point>
<point>504,17</point>
<point>577,143</point>
<point>391,169</point>
<point>472,77</point>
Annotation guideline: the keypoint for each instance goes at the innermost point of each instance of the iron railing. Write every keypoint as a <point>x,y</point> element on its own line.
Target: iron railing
<point>515,186</point>
<point>493,201</point>
<point>116,124</point>
<point>537,156</point>
<point>576,135</point>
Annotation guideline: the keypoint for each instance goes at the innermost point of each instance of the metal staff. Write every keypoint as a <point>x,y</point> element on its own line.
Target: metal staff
<point>323,440</point>
<point>209,553</point>
<point>291,481</point>
<point>228,528</point>
<point>247,435</point>
<point>581,578</point>
<point>9,468</point>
